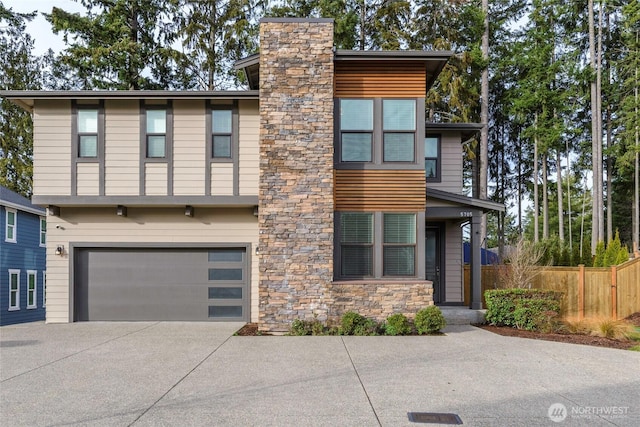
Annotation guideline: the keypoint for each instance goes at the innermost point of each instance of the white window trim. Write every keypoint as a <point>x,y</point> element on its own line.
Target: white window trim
<point>34,274</point>
<point>44,288</point>
<point>7,226</point>
<point>42,245</point>
<point>16,307</point>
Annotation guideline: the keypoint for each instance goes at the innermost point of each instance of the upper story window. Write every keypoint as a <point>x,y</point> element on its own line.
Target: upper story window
<point>11,225</point>
<point>43,231</point>
<point>377,131</point>
<point>432,158</point>
<point>377,245</point>
<point>156,132</point>
<point>221,128</point>
<point>87,132</point>
<point>356,130</point>
<point>399,128</point>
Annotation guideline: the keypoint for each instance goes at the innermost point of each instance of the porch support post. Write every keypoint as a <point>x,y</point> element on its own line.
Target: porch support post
<point>476,261</point>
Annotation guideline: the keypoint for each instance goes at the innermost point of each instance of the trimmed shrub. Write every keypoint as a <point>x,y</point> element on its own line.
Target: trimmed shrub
<point>355,324</point>
<point>306,327</point>
<point>429,320</point>
<point>531,309</point>
<point>397,324</point>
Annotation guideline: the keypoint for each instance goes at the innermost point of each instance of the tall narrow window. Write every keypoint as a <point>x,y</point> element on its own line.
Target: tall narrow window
<point>399,127</point>
<point>14,290</point>
<point>356,130</point>
<point>432,158</point>
<point>87,132</point>
<point>43,231</point>
<point>399,246</point>
<point>221,126</point>
<point>31,289</point>
<point>156,133</point>
<point>11,223</point>
<point>356,244</point>
<point>44,288</point>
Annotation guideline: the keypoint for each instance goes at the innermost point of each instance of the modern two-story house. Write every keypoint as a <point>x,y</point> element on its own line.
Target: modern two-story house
<point>317,191</point>
<point>23,238</point>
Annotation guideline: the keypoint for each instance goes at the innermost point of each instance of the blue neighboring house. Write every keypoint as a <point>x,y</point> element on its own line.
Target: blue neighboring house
<point>22,259</point>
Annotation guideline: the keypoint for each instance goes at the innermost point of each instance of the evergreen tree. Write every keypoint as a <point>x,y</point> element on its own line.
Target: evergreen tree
<point>19,70</point>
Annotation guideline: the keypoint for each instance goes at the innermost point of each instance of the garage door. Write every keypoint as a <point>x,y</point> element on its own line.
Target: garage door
<point>161,284</point>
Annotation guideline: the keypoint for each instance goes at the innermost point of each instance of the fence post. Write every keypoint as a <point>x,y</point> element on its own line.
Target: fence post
<point>614,292</point>
<point>580,291</point>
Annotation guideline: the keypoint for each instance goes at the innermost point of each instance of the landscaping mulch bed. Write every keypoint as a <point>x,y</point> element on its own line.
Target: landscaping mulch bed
<point>568,338</point>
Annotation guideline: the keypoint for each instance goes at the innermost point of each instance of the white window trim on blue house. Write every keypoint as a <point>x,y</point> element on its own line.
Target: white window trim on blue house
<point>13,228</point>
<point>16,306</point>
<point>43,232</point>
<point>32,292</point>
<point>44,288</point>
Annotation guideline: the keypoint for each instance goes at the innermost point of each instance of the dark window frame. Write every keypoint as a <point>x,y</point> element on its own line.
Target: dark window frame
<point>148,134</point>
<point>413,132</point>
<point>438,159</point>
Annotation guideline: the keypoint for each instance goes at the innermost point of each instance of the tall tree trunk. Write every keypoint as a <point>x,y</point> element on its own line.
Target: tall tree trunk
<point>560,202</point>
<point>595,140</point>
<point>536,195</point>
<point>600,164</point>
<point>519,149</point>
<point>545,199</point>
<point>569,212</point>
<point>484,117</point>
<point>636,190</point>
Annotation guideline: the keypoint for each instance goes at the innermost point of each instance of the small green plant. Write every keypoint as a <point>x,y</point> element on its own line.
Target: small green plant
<point>353,323</point>
<point>397,324</point>
<point>531,309</point>
<point>635,348</point>
<point>429,320</point>
<point>301,327</point>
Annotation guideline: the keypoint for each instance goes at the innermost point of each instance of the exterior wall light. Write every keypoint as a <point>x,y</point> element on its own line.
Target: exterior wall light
<point>60,250</point>
<point>121,210</point>
<point>189,211</point>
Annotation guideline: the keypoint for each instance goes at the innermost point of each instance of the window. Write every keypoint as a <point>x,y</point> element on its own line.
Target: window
<point>31,289</point>
<point>11,223</point>
<point>378,130</point>
<point>356,130</point>
<point>356,244</point>
<point>432,158</point>
<point>87,132</point>
<point>399,247</point>
<point>14,290</point>
<point>399,130</point>
<point>221,126</point>
<point>44,288</point>
<point>156,132</point>
<point>377,245</point>
<point>43,231</point>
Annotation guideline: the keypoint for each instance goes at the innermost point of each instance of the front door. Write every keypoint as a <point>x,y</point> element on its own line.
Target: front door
<point>433,267</point>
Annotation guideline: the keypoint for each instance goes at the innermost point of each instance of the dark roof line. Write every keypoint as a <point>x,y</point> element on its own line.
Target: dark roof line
<point>484,204</point>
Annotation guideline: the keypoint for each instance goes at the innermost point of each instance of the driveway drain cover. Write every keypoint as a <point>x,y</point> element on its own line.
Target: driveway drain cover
<point>434,417</point>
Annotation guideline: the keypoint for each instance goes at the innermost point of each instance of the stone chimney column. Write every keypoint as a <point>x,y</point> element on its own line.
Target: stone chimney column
<point>296,170</point>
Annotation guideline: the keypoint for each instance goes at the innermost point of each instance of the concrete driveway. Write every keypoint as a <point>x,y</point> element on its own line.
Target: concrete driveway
<point>172,373</point>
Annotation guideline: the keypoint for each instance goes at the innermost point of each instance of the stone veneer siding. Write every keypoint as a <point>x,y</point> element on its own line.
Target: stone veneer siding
<point>379,300</point>
<point>296,171</point>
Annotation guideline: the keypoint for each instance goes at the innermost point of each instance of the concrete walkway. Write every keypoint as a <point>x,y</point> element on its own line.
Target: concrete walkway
<point>177,374</point>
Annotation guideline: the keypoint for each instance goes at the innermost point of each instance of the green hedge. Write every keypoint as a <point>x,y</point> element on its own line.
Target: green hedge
<point>530,309</point>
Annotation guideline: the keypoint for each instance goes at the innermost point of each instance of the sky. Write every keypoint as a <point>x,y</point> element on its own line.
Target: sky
<point>39,28</point>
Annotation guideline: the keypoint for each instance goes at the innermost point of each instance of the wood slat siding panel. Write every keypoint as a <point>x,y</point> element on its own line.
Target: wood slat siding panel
<point>155,179</point>
<point>222,179</point>
<point>122,148</point>
<point>380,79</point>
<point>189,147</point>
<point>453,263</point>
<point>142,225</point>
<point>88,179</point>
<point>52,148</point>
<point>249,141</point>
<point>379,190</point>
<point>451,164</point>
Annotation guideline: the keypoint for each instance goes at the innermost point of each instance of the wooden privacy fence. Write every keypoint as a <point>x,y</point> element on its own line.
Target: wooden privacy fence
<point>589,292</point>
